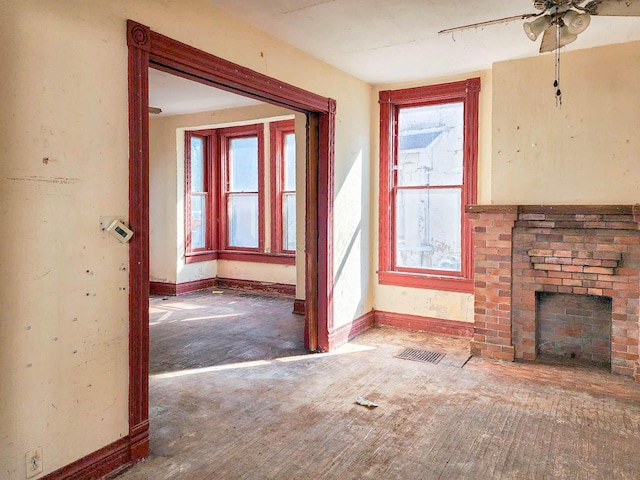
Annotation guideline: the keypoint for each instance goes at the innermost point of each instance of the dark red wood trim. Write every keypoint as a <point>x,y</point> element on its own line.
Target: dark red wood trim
<point>242,256</point>
<point>387,127</point>
<point>424,324</point>
<point>225,136</point>
<point>108,461</point>
<point>258,257</point>
<point>200,257</point>
<point>449,284</point>
<point>275,180</point>
<point>344,333</point>
<point>312,282</point>
<point>298,306</point>
<point>434,93</point>
<point>325,224</point>
<point>277,131</point>
<point>146,48</point>
<point>256,286</point>
<point>208,151</point>
<point>162,288</point>
<point>139,440</point>
<point>187,191</point>
<point>138,38</point>
<point>195,285</point>
<point>466,91</point>
<point>212,70</point>
<point>470,188</point>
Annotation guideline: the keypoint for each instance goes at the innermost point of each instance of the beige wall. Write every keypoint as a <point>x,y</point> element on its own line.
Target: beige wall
<point>585,152</point>
<point>166,172</point>
<point>64,332</point>
<point>417,301</point>
<point>531,152</point>
<point>64,326</point>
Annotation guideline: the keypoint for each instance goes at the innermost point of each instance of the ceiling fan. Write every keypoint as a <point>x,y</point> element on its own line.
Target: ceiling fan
<point>562,20</point>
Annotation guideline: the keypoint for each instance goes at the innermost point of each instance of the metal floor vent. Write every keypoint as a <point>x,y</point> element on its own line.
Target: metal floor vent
<point>421,355</point>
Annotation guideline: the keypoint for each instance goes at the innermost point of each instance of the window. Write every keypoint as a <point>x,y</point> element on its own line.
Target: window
<point>243,172</point>
<point>198,186</point>
<point>283,173</point>
<point>225,194</point>
<point>428,165</point>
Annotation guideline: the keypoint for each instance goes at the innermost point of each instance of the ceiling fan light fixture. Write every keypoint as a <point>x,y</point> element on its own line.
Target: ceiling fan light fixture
<point>535,28</point>
<point>576,22</point>
<point>566,37</point>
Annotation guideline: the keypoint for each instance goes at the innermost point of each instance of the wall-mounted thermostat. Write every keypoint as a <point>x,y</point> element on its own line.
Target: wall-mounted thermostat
<point>119,230</point>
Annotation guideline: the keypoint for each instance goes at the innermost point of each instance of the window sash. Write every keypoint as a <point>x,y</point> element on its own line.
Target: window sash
<point>391,269</point>
<point>282,186</point>
<point>253,232</point>
<point>243,224</point>
<point>436,238</point>
<point>194,179</point>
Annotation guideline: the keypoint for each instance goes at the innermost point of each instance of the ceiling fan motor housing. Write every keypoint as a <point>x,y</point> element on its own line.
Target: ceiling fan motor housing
<point>543,5</point>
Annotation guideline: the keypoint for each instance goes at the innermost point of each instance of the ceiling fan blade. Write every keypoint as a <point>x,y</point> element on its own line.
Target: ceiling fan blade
<point>491,22</point>
<point>548,43</point>
<point>614,8</point>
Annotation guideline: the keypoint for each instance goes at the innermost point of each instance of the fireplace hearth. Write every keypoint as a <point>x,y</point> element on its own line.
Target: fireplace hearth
<point>591,253</point>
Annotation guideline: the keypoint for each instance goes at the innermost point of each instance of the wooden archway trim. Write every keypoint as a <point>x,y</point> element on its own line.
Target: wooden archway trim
<point>150,48</point>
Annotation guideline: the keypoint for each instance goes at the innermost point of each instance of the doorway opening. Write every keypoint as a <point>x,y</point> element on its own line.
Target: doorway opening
<point>147,48</point>
<point>226,182</point>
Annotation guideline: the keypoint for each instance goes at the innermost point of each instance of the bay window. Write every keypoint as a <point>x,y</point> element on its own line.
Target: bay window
<point>225,188</point>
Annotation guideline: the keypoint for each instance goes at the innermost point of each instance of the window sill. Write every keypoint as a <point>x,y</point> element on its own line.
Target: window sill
<point>240,256</point>
<point>430,282</point>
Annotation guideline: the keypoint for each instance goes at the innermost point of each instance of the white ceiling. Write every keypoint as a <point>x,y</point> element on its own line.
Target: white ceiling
<point>384,41</point>
<point>176,95</point>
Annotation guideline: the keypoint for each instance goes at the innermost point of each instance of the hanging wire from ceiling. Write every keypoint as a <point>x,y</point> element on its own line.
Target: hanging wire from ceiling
<point>556,82</point>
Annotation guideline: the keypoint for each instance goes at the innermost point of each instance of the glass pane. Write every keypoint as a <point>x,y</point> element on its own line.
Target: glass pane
<point>243,164</point>
<point>198,221</point>
<point>430,145</point>
<point>243,220</point>
<point>289,221</point>
<point>290,162</point>
<point>197,164</point>
<point>429,229</point>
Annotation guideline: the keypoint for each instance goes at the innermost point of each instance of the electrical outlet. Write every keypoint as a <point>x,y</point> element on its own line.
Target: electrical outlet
<point>33,462</point>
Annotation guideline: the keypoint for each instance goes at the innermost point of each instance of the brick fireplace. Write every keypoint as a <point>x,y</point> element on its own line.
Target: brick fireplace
<point>585,259</point>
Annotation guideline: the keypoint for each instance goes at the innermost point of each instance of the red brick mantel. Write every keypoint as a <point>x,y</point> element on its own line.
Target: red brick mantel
<point>577,249</point>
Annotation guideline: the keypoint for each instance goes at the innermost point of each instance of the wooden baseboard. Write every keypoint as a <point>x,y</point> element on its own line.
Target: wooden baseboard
<point>343,334</point>
<point>424,324</point>
<point>107,462</point>
<point>163,288</point>
<point>194,286</point>
<point>299,307</point>
<point>256,286</point>
<point>173,289</point>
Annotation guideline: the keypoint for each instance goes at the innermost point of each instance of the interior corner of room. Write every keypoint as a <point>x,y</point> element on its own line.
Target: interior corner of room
<point>227,226</point>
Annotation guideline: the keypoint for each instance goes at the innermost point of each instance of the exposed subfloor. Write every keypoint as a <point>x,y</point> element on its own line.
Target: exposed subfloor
<point>284,415</point>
